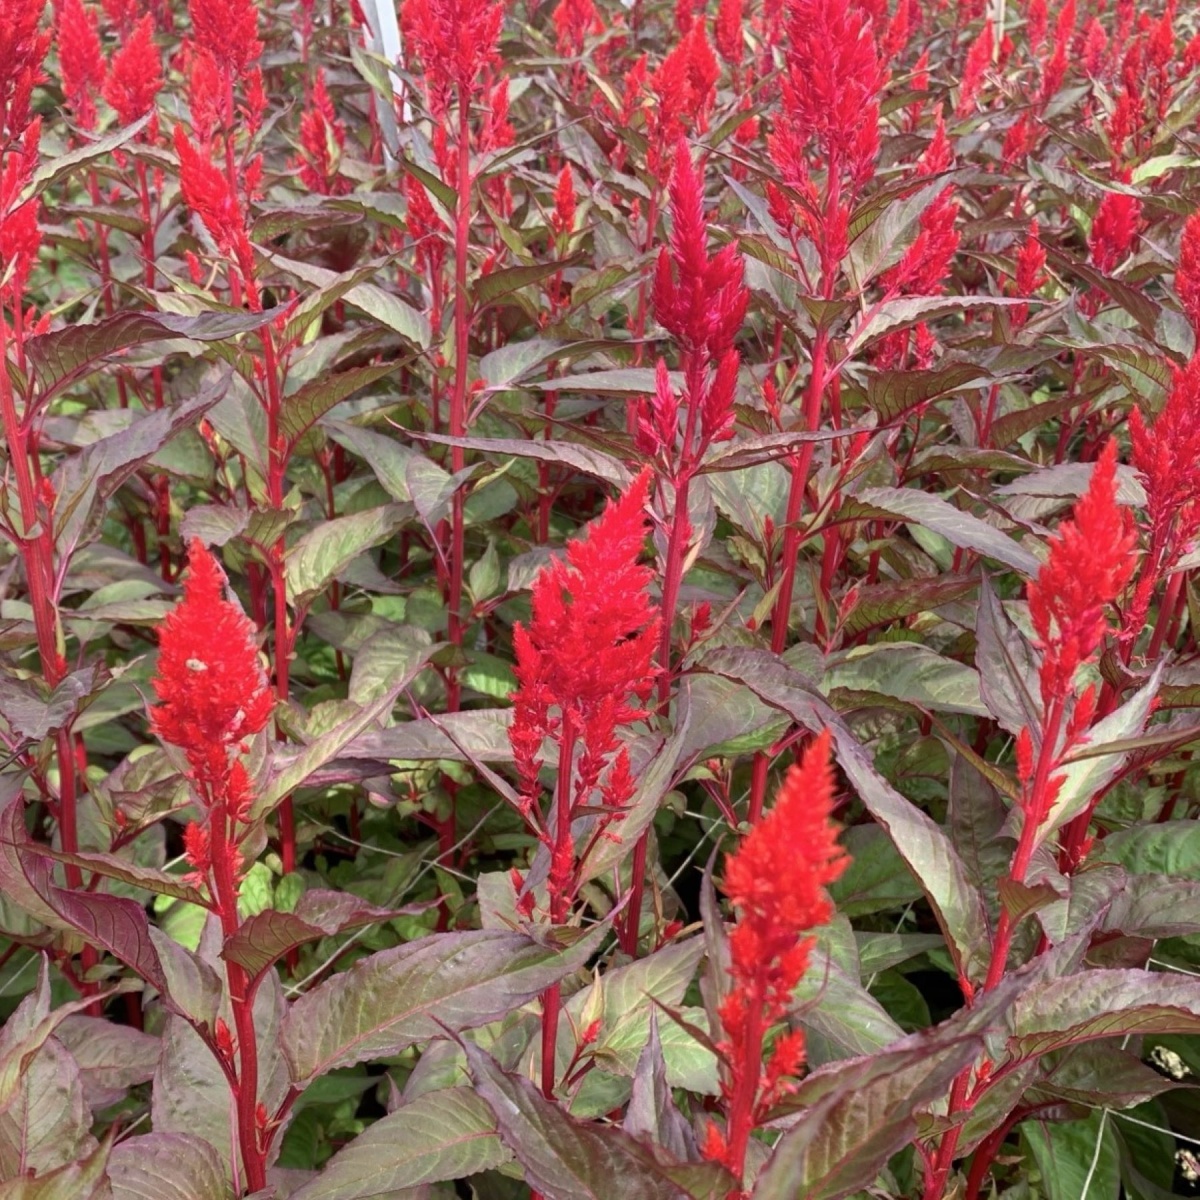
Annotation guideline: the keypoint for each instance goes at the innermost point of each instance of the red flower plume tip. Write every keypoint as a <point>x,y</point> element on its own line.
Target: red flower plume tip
<point>135,74</point>
<point>212,689</point>
<point>1187,274</point>
<point>1091,561</point>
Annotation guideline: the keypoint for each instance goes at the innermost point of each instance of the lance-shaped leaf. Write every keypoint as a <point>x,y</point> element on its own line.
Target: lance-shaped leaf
<point>583,459</point>
<point>88,478</point>
<point>565,1159</point>
<point>322,553</point>
<point>154,1166</point>
<point>1055,1013</point>
<point>110,866</point>
<point>83,1180</point>
<point>890,316</point>
<point>270,934</point>
<point>441,1135</point>
<point>959,528</point>
<point>445,982</point>
<point>65,355</point>
<point>309,403</point>
<point>1008,667</point>
<point>110,923</point>
<point>921,841</point>
<point>868,1112</point>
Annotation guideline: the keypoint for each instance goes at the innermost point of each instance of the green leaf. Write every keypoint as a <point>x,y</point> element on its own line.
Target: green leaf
<point>386,456</point>
<point>269,935</point>
<point>1056,1013</point>
<point>1078,1160</point>
<point>566,1159</point>
<point>867,1111</point>
<point>922,843</point>
<point>65,355</point>
<point>903,312</point>
<point>438,984</point>
<point>1169,848</point>
<point>493,286</point>
<point>908,671</point>
<point>569,454</point>
<point>153,1166</point>
<point>882,603</point>
<point>322,553</point>
<point>959,528</point>
<point>308,404</point>
<point>447,1134</point>
<point>53,168</point>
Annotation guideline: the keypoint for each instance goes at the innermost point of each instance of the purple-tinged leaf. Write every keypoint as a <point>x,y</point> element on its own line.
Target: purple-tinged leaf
<point>1057,1013</point>
<point>82,1180</point>
<point>158,1166</point>
<point>445,982</point>
<point>309,403</point>
<point>583,459</point>
<point>903,312</point>
<point>161,883</point>
<point>442,1135</point>
<point>566,1159</point>
<point>652,1115</point>
<point>269,935</point>
<point>1008,668</point>
<point>1101,1074</point>
<point>858,1115</point>
<point>922,843</point>
<point>65,355</point>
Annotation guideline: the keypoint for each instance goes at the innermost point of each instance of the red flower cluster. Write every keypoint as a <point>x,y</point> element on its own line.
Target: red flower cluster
<point>80,62</point>
<point>456,42</point>
<point>322,137</point>
<point>228,31</point>
<point>702,301</point>
<point>584,664</point>
<point>135,75</point>
<point>23,46</point>
<point>1090,563</point>
<point>776,881</point>
<point>212,690</point>
<point>1114,230</point>
<point>1187,275</point>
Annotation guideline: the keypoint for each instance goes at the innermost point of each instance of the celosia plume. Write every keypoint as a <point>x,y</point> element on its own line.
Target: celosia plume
<point>585,660</point>
<point>212,691</point>
<point>135,74</point>
<point>80,62</point>
<point>1187,274</point>
<point>228,30</point>
<point>776,881</point>
<point>1114,230</point>
<point>322,137</point>
<point>1091,561</point>
<point>455,41</point>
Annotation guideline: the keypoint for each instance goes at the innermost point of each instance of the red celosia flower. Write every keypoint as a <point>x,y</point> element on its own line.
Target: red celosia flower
<point>206,192</point>
<point>455,41</point>
<point>585,662</point>
<point>20,235</point>
<point>1095,47</point>
<point>205,92</point>
<point>212,690</point>
<point>228,30</point>
<point>831,84</point>
<point>80,63</point>
<point>1035,24</point>
<point>703,72</point>
<point>729,32</point>
<point>1167,454</point>
<point>1031,262</point>
<point>776,881</point>
<point>562,219</point>
<point>1187,274</point>
<point>135,74</point>
<point>573,21</point>
<point>1114,229</point>
<point>22,48</point>
<point>1090,562</point>
<point>979,58</point>
<point>322,137</point>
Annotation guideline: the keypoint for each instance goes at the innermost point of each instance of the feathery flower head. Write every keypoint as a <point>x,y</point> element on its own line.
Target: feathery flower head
<point>562,219</point>
<point>135,75</point>
<point>455,41</point>
<point>729,32</point>
<point>228,30</point>
<point>588,651</point>
<point>212,690</point>
<point>574,20</point>
<point>80,62</point>
<point>831,84</point>
<point>20,234</point>
<point>1187,274</point>
<point>23,46</point>
<point>1167,455</point>
<point>775,881</point>
<point>1091,560</point>
<point>322,137</point>
<point>1114,230</point>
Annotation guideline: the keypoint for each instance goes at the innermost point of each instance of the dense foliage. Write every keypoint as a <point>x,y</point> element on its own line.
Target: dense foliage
<point>599,599</point>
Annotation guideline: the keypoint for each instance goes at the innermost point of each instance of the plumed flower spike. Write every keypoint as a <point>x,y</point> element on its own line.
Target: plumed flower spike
<point>80,63</point>
<point>588,653</point>
<point>1187,274</point>
<point>135,74</point>
<point>211,687</point>
<point>1090,563</point>
<point>776,881</point>
<point>228,30</point>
